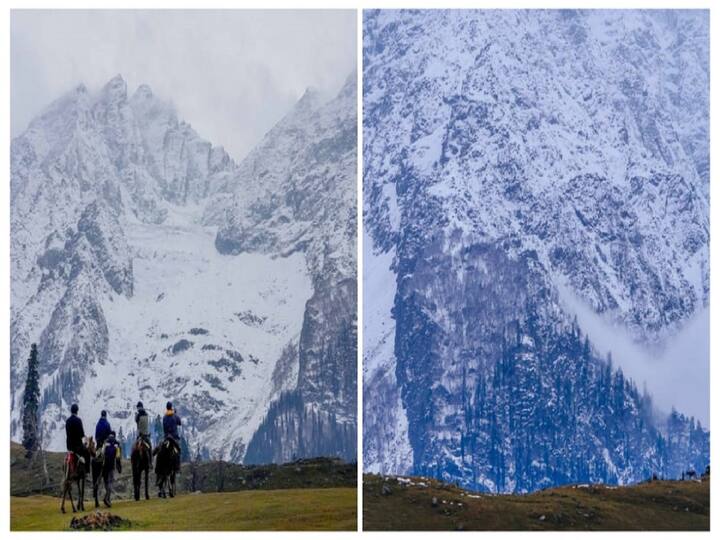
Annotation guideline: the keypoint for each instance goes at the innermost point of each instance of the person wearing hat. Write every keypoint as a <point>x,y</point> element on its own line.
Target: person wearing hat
<point>142,421</point>
<point>112,456</point>
<point>74,432</point>
<point>171,421</point>
<point>102,429</point>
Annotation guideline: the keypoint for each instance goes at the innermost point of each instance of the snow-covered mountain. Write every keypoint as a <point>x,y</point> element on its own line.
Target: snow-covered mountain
<point>517,163</point>
<point>129,270</point>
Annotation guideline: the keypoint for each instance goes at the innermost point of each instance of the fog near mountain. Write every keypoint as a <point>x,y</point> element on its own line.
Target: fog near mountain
<point>676,372</point>
<point>253,65</point>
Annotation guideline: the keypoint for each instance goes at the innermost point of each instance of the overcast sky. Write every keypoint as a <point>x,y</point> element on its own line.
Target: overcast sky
<point>231,74</point>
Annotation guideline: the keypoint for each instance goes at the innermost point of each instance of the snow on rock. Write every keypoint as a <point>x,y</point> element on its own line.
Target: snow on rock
<point>506,152</point>
<point>119,276</point>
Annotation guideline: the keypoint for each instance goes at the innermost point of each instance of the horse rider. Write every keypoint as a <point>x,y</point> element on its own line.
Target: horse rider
<point>102,429</point>
<point>74,435</point>
<point>142,421</point>
<point>111,461</point>
<point>171,421</point>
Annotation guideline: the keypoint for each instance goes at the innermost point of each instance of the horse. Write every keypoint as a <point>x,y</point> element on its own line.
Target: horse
<point>74,470</point>
<point>165,468</point>
<point>140,459</point>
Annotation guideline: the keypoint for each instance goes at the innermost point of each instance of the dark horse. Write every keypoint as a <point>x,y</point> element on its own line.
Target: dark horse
<point>140,460</point>
<point>165,468</point>
<point>74,470</point>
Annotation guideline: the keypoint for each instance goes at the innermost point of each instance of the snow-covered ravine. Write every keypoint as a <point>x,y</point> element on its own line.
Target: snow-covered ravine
<point>190,305</point>
<point>383,406</point>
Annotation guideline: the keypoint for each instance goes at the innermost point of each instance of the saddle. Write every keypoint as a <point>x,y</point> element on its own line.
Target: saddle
<point>169,443</point>
<point>72,460</point>
<point>141,441</point>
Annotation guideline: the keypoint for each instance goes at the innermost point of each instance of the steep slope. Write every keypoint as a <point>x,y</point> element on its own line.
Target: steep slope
<point>124,285</point>
<point>511,157</point>
<point>315,215</point>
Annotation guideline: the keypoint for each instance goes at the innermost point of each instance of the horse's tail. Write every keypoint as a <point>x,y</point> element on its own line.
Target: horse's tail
<point>67,467</point>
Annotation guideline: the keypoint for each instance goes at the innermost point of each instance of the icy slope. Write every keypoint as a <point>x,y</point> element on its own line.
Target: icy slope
<point>315,215</point>
<point>203,328</point>
<point>385,445</point>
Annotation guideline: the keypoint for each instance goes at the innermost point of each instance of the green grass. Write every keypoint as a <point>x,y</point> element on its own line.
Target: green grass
<point>43,474</point>
<point>272,510</point>
<point>658,506</point>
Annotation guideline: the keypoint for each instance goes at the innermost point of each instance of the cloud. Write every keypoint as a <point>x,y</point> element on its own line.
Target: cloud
<point>231,74</point>
<point>677,373</point>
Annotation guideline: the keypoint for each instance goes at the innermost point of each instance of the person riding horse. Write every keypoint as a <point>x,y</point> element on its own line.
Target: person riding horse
<point>74,435</point>
<point>142,421</point>
<point>171,421</point>
<point>102,429</point>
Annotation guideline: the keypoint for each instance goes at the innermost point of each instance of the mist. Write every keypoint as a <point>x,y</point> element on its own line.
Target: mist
<point>231,74</point>
<point>677,374</point>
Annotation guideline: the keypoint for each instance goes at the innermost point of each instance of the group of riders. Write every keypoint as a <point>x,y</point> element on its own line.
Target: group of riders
<point>108,449</point>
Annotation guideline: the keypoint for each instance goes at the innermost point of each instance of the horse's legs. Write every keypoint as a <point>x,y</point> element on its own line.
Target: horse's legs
<point>81,492</point>
<point>136,481</point>
<point>159,482</point>
<point>72,502</point>
<point>147,477</point>
<point>95,486</point>
<point>106,498</point>
<point>62,504</point>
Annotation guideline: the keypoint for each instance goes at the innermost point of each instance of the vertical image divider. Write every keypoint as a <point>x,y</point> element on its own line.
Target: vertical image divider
<point>360,271</point>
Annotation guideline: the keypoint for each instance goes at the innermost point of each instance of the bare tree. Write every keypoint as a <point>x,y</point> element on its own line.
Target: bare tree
<point>220,470</point>
<point>38,461</point>
<point>194,472</point>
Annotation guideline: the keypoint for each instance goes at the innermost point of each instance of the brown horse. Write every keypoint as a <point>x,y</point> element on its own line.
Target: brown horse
<point>140,460</point>
<point>74,470</point>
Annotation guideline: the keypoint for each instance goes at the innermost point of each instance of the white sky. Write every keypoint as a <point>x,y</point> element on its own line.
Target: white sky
<point>231,74</point>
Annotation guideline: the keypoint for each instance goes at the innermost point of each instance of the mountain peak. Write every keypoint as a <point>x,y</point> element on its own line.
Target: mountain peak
<point>117,79</point>
<point>310,97</point>
<point>115,89</point>
<point>143,91</point>
<point>349,87</point>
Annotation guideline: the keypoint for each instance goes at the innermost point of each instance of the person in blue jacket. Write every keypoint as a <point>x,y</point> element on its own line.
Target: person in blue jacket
<point>112,456</point>
<point>102,429</point>
<point>171,421</point>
